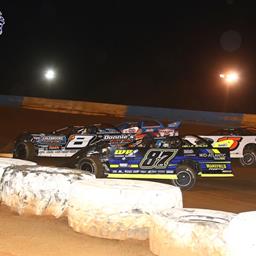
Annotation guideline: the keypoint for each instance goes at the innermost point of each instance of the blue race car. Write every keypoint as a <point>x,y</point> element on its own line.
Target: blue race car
<point>155,127</point>
<point>173,158</point>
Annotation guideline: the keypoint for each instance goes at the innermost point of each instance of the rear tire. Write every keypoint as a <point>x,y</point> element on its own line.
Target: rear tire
<point>25,151</point>
<point>248,159</point>
<point>186,177</point>
<point>91,164</point>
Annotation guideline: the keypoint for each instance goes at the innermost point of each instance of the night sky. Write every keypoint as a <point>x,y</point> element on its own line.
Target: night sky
<point>155,53</point>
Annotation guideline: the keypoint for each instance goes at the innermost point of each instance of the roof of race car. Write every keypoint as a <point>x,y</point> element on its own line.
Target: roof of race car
<point>171,142</point>
<point>140,122</point>
<point>148,123</point>
<point>94,128</point>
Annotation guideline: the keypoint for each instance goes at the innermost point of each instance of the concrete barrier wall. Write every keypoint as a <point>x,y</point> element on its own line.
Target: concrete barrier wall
<point>93,108</point>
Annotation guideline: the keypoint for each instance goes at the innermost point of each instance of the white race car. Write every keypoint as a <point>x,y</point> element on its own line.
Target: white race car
<point>240,141</point>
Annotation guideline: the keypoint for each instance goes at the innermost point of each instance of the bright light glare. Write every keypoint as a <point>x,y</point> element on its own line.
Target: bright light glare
<point>49,74</point>
<point>230,78</point>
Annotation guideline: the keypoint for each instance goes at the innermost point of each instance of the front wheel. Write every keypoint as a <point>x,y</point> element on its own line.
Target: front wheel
<point>92,165</point>
<point>186,177</point>
<point>248,159</point>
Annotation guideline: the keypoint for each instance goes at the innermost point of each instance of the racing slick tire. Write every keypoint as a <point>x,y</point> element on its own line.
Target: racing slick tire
<point>186,177</point>
<point>91,164</point>
<point>248,159</point>
<point>25,150</point>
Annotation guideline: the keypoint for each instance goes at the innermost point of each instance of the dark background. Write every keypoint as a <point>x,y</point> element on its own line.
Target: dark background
<point>159,53</point>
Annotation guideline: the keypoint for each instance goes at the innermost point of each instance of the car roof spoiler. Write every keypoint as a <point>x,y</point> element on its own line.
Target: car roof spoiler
<point>174,125</point>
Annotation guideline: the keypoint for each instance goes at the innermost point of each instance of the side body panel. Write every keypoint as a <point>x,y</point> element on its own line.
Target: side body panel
<point>161,163</point>
<point>52,145</point>
<point>235,143</point>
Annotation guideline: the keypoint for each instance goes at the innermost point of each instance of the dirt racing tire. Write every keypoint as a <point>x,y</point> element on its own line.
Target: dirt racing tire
<point>25,151</point>
<point>186,177</point>
<point>248,159</point>
<point>91,164</point>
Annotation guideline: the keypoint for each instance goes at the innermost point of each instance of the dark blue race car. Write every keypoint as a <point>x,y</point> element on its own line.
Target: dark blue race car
<point>172,158</point>
<point>155,127</point>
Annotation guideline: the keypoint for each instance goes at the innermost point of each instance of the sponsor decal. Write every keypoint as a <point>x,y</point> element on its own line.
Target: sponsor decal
<point>231,142</point>
<point>213,167</point>
<point>219,156</point>
<point>205,155</point>
<point>125,152</point>
<point>148,130</point>
<point>139,171</point>
<point>131,130</point>
<point>54,147</point>
<point>52,138</point>
<point>117,137</point>
<point>188,151</point>
<point>56,153</point>
<point>214,153</point>
<point>128,171</point>
<point>166,132</point>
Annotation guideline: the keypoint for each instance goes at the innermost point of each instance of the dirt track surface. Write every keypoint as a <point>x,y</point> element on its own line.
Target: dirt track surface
<point>41,236</point>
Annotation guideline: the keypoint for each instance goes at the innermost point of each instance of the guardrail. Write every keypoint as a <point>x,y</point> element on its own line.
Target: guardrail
<point>117,110</point>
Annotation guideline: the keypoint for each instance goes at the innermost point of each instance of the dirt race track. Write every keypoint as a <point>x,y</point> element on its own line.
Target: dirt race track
<point>41,236</point>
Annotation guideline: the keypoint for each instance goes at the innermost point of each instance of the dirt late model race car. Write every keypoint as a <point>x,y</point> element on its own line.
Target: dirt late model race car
<point>155,127</point>
<point>240,141</point>
<point>172,158</point>
<point>67,141</point>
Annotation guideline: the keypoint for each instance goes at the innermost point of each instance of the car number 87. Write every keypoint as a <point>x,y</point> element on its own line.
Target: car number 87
<point>157,158</point>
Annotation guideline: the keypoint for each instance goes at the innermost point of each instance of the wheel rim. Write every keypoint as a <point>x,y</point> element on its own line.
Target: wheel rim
<point>248,159</point>
<point>184,178</point>
<point>21,152</point>
<point>88,167</point>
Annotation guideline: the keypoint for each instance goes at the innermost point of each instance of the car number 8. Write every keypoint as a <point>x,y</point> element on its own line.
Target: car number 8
<point>79,141</point>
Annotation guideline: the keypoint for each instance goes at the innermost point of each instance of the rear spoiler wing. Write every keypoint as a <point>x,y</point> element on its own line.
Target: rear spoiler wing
<point>174,125</point>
